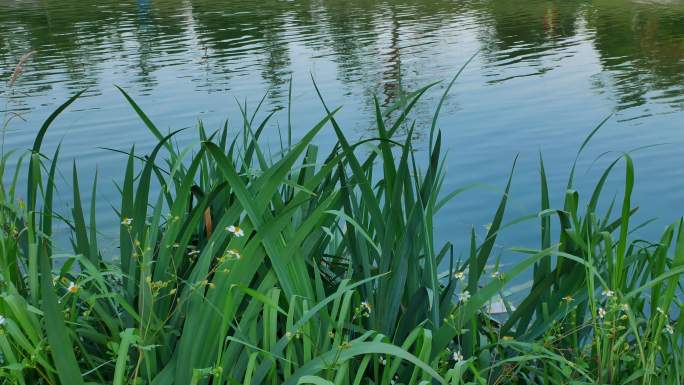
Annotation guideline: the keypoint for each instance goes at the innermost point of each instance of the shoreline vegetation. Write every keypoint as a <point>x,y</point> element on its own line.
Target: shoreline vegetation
<point>321,268</point>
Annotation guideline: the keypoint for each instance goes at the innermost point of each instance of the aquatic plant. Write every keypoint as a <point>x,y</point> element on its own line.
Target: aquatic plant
<point>237,267</point>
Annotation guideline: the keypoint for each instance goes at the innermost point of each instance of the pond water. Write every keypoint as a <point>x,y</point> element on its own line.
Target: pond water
<point>545,74</point>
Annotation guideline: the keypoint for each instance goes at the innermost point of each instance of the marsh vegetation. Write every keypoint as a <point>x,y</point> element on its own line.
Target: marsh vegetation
<point>239,264</point>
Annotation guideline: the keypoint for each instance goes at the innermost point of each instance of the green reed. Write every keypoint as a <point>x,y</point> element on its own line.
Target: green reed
<point>238,267</point>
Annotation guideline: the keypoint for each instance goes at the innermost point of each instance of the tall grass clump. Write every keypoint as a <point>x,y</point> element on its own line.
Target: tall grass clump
<point>235,267</point>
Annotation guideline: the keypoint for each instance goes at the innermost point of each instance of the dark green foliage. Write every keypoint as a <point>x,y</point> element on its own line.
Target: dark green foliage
<point>234,267</point>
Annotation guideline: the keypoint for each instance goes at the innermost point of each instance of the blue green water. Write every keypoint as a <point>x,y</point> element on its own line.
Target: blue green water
<point>546,73</point>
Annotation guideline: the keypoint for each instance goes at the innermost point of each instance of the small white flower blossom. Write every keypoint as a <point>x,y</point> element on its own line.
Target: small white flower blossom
<point>2,320</point>
<point>234,253</point>
<point>366,307</point>
<point>457,356</point>
<point>459,275</point>
<point>496,274</point>
<point>193,252</point>
<point>126,221</point>
<point>669,329</point>
<point>601,312</point>
<point>235,230</point>
<point>382,361</point>
<point>73,288</point>
<point>465,296</point>
<point>608,293</point>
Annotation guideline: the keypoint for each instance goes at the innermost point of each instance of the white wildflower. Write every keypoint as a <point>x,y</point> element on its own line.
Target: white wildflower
<point>601,312</point>
<point>235,230</point>
<point>366,308</point>
<point>234,253</point>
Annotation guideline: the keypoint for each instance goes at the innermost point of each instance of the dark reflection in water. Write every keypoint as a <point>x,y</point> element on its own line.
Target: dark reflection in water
<point>640,45</point>
<point>546,73</point>
<point>643,50</point>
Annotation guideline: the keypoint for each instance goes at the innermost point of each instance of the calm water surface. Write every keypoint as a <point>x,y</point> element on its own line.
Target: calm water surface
<point>547,72</point>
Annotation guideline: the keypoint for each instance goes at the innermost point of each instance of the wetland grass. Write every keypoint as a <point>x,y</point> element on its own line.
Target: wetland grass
<point>311,268</point>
